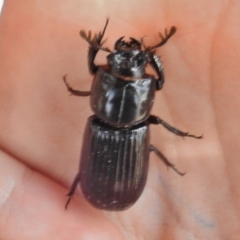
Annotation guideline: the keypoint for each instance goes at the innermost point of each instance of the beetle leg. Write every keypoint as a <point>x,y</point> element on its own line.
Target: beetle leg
<point>75,92</point>
<point>91,57</point>
<point>156,120</point>
<point>157,65</point>
<point>165,160</point>
<point>73,189</point>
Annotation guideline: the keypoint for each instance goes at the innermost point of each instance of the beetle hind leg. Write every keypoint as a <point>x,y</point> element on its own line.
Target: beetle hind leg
<point>165,160</point>
<point>73,189</point>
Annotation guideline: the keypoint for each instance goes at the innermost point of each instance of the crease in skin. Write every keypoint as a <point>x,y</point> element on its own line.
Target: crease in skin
<point>12,174</point>
<point>211,74</point>
<point>27,167</point>
<point>124,224</point>
<point>211,86</point>
<point>7,186</point>
<point>222,19</point>
<point>203,218</point>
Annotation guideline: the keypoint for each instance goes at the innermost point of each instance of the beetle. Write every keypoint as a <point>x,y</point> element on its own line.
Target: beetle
<point>115,153</point>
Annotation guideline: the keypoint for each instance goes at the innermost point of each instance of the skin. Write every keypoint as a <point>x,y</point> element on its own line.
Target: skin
<point>41,126</point>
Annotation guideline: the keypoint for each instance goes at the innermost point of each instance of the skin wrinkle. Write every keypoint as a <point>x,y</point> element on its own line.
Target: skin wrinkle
<point>7,192</point>
<point>222,18</point>
<point>10,189</point>
<point>28,165</point>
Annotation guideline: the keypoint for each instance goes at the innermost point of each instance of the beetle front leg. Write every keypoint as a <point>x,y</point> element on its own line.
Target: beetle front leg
<point>75,92</point>
<point>157,65</point>
<point>156,120</point>
<point>165,160</point>
<point>73,189</point>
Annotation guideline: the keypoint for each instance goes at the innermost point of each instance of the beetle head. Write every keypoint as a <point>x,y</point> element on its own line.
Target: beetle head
<point>128,62</point>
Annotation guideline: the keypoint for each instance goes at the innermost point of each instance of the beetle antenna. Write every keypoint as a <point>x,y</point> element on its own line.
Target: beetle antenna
<point>164,38</point>
<point>104,29</point>
<point>95,41</point>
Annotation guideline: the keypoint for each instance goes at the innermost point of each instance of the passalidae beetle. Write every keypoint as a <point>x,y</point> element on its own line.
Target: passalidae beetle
<point>115,153</point>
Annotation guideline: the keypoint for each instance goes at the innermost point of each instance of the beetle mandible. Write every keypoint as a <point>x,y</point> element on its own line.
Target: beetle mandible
<point>115,153</point>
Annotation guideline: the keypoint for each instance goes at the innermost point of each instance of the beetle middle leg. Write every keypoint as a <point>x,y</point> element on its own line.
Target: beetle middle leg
<point>165,160</point>
<point>156,120</point>
<point>75,92</point>
<point>73,189</point>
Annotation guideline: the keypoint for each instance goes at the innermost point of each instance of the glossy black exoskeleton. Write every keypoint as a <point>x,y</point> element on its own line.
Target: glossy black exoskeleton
<point>114,160</point>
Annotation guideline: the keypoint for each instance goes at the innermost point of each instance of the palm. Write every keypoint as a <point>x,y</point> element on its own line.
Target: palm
<point>41,126</point>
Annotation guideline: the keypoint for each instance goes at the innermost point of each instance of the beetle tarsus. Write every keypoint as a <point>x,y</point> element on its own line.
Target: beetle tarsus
<point>156,120</point>
<point>75,92</point>
<point>165,160</point>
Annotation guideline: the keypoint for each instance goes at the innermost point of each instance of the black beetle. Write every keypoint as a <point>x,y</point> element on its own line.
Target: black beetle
<point>115,152</point>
